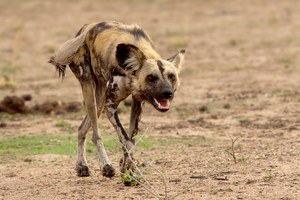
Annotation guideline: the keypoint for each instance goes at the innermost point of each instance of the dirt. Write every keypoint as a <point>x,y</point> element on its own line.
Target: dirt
<point>240,80</point>
<point>16,104</point>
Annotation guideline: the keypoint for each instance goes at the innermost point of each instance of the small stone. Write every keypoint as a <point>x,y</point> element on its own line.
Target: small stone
<point>226,106</point>
<point>27,97</point>
<point>3,124</point>
<point>203,109</point>
<point>214,116</point>
<point>29,160</point>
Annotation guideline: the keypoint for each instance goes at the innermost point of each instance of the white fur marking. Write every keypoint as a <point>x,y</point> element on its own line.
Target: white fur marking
<point>119,81</point>
<point>133,62</point>
<point>81,70</point>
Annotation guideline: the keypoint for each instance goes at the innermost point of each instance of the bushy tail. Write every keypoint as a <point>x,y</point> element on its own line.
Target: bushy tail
<point>66,52</point>
<point>60,68</point>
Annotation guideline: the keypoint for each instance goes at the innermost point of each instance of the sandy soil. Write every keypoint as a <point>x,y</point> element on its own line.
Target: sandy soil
<point>240,80</point>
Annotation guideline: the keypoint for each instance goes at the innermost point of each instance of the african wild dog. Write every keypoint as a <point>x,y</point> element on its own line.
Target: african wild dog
<point>112,61</point>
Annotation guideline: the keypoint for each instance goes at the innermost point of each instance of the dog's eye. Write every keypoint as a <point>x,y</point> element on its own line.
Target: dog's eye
<point>152,78</point>
<point>172,77</point>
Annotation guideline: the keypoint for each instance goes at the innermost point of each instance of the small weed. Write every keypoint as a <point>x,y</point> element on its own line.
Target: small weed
<point>273,92</point>
<point>268,177</point>
<point>298,98</point>
<point>242,159</point>
<point>273,20</point>
<point>287,93</point>
<point>7,116</point>
<point>130,180</point>
<point>245,121</point>
<point>50,49</point>
<point>62,123</point>
<point>65,125</point>
<point>240,147</point>
<point>7,84</point>
<point>286,62</point>
<point>284,93</point>
<point>7,70</point>
<point>214,191</point>
<point>236,68</point>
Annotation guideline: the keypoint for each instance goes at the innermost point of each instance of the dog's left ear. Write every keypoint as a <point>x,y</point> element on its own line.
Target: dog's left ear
<point>130,58</point>
<point>177,59</point>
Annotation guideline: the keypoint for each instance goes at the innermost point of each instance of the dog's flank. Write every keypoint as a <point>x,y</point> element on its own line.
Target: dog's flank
<point>112,61</point>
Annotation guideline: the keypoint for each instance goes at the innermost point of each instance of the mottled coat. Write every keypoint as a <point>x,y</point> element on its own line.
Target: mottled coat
<point>112,61</point>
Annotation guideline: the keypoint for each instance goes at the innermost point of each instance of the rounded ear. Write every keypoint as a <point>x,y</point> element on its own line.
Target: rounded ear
<point>130,58</point>
<point>177,59</point>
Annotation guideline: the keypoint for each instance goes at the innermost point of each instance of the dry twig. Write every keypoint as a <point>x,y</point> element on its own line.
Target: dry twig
<point>145,183</point>
<point>232,153</point>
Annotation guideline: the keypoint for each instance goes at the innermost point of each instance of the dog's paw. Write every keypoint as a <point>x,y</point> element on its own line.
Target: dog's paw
<point>108,171</point>
<point>126,165</point>
<point>82,170</point>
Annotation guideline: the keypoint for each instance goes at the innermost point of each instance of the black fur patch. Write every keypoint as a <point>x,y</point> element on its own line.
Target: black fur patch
<point>120,126</point>
<point>116,71</point>
<point>138,33</point>
<point>85,65</point>
<point>103,26</point>
<point>122,54</point>
<point>160,67</point>
<point>100,27</point>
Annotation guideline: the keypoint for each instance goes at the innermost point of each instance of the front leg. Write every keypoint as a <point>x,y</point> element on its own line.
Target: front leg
<point>135,117</point>
<point>127,143</point>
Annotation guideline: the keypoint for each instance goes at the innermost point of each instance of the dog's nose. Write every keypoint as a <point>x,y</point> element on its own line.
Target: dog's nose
<point>167,94</point>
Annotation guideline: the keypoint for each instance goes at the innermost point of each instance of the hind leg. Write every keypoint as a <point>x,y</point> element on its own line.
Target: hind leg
<point>89,94</point>
<point>81,164</point>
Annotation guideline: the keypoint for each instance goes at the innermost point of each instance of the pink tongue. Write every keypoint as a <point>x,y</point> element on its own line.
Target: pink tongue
<point>163,103</point>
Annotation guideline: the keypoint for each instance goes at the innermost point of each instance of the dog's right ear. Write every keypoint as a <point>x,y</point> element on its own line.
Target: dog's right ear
<point>130,58</point>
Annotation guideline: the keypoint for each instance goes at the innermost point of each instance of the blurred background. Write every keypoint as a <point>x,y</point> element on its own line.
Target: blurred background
<point>240,80</point>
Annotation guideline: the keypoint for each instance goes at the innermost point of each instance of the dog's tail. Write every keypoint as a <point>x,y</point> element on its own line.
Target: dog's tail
<point>66,52</point>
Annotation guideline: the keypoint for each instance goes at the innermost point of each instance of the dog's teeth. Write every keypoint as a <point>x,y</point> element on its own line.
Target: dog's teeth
<point>162,104</point>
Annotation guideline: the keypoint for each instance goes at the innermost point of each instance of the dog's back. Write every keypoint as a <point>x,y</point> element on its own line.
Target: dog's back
<point>98,41</point>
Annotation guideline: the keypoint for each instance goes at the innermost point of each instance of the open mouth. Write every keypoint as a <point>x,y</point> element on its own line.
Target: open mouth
<point>162,105</point>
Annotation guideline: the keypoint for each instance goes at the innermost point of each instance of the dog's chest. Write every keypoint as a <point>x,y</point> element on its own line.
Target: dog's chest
<point>118,88</point>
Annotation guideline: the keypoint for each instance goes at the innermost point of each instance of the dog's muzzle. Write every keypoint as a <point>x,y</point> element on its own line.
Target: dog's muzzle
<point>162,103</point>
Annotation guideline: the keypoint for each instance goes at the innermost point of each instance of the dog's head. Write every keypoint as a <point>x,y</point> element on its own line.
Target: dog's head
<point>153,80</point>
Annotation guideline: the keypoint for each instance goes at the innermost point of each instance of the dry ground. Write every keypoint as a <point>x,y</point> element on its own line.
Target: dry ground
<point>240,80</point>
